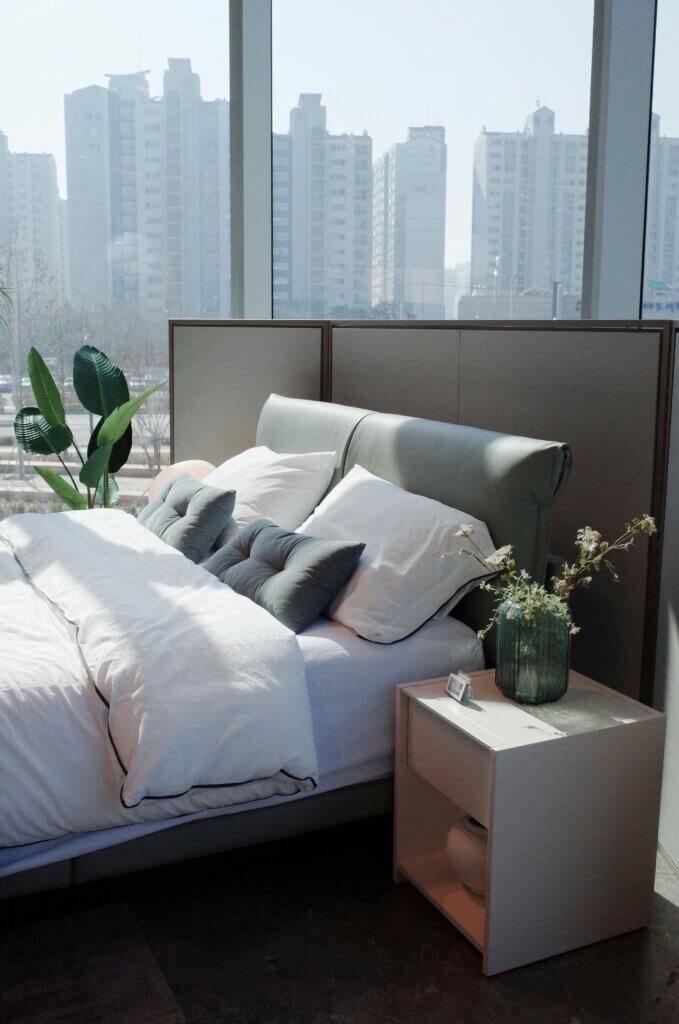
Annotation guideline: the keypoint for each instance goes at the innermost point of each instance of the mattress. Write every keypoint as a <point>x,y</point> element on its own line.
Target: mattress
<point>351,691</point>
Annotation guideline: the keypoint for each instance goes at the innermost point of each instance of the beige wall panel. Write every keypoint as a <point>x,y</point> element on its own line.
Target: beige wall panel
<point>223,374</point>
<point>596,390</point>
<point>411,370</point>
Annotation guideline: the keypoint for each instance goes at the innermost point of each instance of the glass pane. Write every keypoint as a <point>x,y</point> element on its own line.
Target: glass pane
<point>114,205</point>
<point>430,166</point>
<point>661,258</point>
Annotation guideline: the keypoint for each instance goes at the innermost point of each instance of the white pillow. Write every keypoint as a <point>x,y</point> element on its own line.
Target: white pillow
<point>398,584</point>
<point>283,488</point>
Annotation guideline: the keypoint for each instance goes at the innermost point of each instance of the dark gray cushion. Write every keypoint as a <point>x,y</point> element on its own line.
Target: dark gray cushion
<point>189,515</point>
<point>294,577</point>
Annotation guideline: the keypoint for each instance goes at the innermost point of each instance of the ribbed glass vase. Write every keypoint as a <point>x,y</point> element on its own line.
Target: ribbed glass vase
<point>533,656</point>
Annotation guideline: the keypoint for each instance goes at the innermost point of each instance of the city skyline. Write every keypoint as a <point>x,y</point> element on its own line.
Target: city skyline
<point>361,75</point>
<point>148,215</point>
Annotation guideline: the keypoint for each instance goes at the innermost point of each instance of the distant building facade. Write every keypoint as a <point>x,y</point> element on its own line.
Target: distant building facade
<point>456,284</point>
<point>409,220</point>
<point>30,235</point>
<point>281,233</point>
<point>528,213</point>
<point>148,195</point>
<point>322,211</point>
<point>661,259</point>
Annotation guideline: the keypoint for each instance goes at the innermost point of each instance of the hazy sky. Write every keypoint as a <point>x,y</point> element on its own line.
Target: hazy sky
<point>381,65</point>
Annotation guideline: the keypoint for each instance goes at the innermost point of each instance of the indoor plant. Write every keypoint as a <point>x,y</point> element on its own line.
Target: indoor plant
<point>42,429</point>
<point>534,623</point>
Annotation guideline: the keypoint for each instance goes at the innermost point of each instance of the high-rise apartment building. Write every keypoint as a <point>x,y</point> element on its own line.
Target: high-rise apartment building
<point>136,192</point>
<point>661,261</point>
<point>409,221</point>
<point>148,195</point>
<point>528,209</point>
<point>456,284</point>
<point>197,195</point>
<point>322,209</point>
<point>88,184</point>
<point>281,209</point>
<point>30,243</point>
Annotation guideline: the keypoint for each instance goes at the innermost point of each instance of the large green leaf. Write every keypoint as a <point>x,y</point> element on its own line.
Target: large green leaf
<point>62,488</point>
<point>121,449</point>
<point>96,465</point>
<point>46,392</point>
<point>115,425</point>
<point>39,437</point>
<point>99,383</point>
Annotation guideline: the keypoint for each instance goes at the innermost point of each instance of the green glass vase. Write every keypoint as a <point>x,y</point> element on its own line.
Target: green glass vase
<point>533,656</point>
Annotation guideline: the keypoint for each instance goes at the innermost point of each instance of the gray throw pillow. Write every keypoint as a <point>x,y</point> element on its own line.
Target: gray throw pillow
<point>293,577</point>
<point>189,515</point>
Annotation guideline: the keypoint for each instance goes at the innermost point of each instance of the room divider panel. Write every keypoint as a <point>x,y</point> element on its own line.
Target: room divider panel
<point>405,368</point>
<point>602,387</point>
<point>222,372</point>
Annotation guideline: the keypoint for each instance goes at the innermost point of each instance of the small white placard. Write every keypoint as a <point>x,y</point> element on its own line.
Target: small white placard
<point>459,686</point>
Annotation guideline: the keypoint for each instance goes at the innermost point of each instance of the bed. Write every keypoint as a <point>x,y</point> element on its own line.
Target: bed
<point>508,482</point>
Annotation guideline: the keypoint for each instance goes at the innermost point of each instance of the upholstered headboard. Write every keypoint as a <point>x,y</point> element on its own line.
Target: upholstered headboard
<point>509,482</point>
<point>300,425</point>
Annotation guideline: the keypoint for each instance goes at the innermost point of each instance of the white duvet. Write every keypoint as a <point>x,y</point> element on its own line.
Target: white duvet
<point>134,685</point>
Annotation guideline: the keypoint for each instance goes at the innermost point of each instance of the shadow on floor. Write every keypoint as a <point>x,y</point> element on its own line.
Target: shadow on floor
<point>304,931</point>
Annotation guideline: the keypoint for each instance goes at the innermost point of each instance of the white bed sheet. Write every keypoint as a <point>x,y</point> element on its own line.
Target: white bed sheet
<point>351,691</point>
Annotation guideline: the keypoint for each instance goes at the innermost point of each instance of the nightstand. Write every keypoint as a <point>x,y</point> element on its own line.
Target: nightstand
<point>569,793</point>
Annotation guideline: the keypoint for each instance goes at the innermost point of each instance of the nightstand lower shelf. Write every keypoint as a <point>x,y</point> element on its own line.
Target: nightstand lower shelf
<point>432,875</point>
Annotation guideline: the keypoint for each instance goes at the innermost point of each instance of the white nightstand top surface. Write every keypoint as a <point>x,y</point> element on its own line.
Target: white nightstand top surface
<point>498,723</point>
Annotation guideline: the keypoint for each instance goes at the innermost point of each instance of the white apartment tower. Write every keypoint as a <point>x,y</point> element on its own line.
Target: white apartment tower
<point>329,207</point>
<point>281,203</point>
<point>88,186</point>
<point>30,246</point>
<point>528,209</point>
<point>409,224</point>
<point>148,195</point>
<point>197,195</point>
<point>136,187</point>
<point>661,263</point>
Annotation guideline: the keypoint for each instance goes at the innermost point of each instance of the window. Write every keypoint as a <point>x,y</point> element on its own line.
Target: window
<point>661,255</point>
<point>116,131</point>
<point>439,137</point>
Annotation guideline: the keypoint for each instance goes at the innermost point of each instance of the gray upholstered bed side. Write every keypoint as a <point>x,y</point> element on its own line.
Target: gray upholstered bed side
<point>299,425</point>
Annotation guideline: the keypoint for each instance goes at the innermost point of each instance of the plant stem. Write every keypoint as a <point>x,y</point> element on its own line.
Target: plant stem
<point>68,471</point>
<point>75,445</point>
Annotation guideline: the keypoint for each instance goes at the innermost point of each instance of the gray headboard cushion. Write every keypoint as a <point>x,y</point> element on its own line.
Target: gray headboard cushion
<point>299,425</point>
<point>507,481</point>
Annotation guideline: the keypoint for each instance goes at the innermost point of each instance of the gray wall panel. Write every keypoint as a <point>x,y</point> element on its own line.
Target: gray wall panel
<point>597,391</point>
<point>222,374</point>
<point>409,370</point>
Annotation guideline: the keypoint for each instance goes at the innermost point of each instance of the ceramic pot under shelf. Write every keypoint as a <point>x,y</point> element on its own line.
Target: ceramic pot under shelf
<point>466,846</point>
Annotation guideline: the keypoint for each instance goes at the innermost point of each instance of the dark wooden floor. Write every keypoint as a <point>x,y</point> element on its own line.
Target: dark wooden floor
<point>305,931</point>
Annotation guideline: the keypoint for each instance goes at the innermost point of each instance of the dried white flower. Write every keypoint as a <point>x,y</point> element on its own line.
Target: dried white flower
<point>588,540</point>
<point>465,530</point>
<point>499,556</point>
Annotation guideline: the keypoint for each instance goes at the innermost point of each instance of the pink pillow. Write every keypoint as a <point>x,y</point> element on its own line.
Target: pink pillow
<point>197,468</point>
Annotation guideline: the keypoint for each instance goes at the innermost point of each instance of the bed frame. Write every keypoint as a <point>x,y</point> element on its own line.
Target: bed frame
<point>508,482</point>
